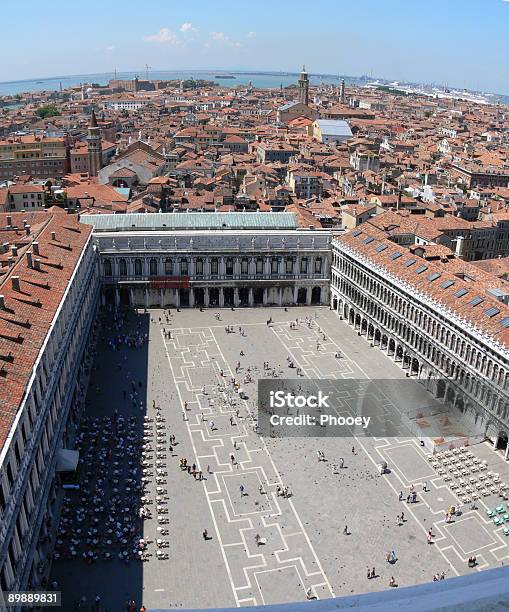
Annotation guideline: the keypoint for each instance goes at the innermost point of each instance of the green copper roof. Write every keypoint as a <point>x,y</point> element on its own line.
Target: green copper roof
<point>187,220</point>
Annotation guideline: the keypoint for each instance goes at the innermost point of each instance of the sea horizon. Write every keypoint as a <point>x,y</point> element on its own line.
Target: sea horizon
<point>259,78</point>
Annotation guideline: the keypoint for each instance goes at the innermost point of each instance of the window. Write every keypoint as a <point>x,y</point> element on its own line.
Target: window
<point>356,232</point>
<point>184,269</point>
<point>505,322</point>
<point>461,292</point>
<point>476,301</point>
<point>199,267</point>
<point>274,265</point>
<point>491,312</point>
<point>214,266</point>
<point>368,240</point>
<point>395,255</point>
<point>168,266</point>
<point>304,265</point>
<point>259,265</point>
<point>137,267</point>
<point>380,248</point>
<point>410,262</point>
<point>289,265</point>
<point>229,266</point>
<point>446,284</point>
<point>153,267</point>
<point>433,277</point>
<point>421,269</point>
<point>107,267</point>
<point>244,266</point>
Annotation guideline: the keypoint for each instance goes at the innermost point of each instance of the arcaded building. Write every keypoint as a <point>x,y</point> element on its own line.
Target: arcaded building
<point>211,259</point>
<point>443,327</point>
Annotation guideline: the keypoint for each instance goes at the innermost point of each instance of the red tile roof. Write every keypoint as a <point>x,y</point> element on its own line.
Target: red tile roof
<point>29,312</point>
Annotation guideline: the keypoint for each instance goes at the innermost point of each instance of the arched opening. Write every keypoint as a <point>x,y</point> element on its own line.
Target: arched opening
<point>415,367</point>
<point>335,303</point>
<point>214,296</point>
<point>440,388</point>
<point>125,299</point>
<point>122,264</point>
<point>107,267</point>
<point>137,267</point>
<point>228,296</point>
<point>199,297</point>
<point>109,296</point>
<point>502,441</point>
<point>153,266</point>
<point>316,295</point>
<point>258,296</point>
<point>301,296</point>
<point>184,297</point>
<point>244,296</point>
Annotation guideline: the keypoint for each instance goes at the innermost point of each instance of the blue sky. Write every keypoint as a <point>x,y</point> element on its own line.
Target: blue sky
<point>458,42</point>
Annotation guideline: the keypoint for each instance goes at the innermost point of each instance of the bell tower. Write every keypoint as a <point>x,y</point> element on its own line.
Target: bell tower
<point>94,147</point>
<point>304,87</point>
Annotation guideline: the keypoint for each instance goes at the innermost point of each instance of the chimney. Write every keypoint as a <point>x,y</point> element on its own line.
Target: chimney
<point>37,264</point>
<point>29,259</point>
<point>53,236</point>
<point>9,221</point>
<point>25,222</point>
<point>35,246</point>
<point>27,230</point>
<point>2,302</point>
<point>14,251</point>
<point>15,283</point>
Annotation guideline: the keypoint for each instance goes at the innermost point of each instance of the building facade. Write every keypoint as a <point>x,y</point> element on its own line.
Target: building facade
<point>40,367</point>
<point>37,156</point>
<point>266,264</point>
<point>443,331</point>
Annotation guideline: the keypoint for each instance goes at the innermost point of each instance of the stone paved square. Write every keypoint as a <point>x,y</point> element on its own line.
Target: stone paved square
<point>305,546</point>
<point>470,535</point>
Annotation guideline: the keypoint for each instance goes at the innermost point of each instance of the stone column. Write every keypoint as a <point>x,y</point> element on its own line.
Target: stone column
<point>265,291</point>
<point>146,297</point>
<point>117,298</point>
<point>177,298</point>
<point>280,296</point>
<point>308,296</point>
<point>161,297</point>
<point>221,297</point>
<point>506,455</point>
<point>236,297</point>
<point>206,297</point>
<point>251,297</point>
<point>131,297</point>
<point>191,297</point>
<point>295,294</point>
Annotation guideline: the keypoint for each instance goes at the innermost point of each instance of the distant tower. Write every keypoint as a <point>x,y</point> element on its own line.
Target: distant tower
<point>83,95</point>
<point>342,91</point>
<point>94,147</point>
<point>304,87</point>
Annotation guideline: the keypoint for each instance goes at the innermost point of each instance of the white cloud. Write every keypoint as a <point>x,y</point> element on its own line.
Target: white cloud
<point>253,34</point>
<point>219,36</point>
<point>187,27</point>
<point>110,49</point>
<point>164,35</point>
